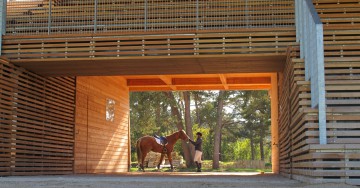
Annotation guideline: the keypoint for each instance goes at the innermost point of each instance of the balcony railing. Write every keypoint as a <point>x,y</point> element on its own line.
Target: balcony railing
<point>32,17</point>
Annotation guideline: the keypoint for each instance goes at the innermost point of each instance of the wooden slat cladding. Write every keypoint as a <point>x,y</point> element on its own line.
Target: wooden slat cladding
<point>101,146</point>
<point>339,13</point>
<point>295,113</point>
<point>36,123</point>
<point>100,46</point>
<point>301,155</point>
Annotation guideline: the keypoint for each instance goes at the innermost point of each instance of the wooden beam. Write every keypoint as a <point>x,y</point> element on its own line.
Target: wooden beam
<point>249,80</point>
<point>200,87</point>
<point>145,82</point>
<point>197,81</point>
<point>224,81</point>
<point>139,89</point>
<point>172,65</point>
<point>274,124</point>
<point>168,81</point>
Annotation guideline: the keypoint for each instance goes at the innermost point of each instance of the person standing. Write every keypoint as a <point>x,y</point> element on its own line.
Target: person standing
<point>198,150</point>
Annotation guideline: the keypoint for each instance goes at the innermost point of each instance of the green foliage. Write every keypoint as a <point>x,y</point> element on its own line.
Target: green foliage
<point>246,120</point>
<point>239,150</point>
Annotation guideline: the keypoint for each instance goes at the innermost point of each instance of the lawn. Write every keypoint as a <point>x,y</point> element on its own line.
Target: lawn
<point>207,167</point>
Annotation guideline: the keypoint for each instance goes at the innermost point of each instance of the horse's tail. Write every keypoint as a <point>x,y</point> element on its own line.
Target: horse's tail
<point>138,151</point>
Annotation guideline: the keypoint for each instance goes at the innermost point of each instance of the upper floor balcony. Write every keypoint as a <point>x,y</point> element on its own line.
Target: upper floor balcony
<point>121,34</point>
<point>36,17</point>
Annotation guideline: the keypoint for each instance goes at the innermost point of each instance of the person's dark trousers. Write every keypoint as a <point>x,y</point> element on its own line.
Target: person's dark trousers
<point>198,165</point>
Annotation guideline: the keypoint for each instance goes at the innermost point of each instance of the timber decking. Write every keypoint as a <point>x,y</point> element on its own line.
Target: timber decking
<point>36,123</point>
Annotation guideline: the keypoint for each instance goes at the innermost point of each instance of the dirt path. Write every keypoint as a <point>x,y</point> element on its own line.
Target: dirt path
<point>159,180</point>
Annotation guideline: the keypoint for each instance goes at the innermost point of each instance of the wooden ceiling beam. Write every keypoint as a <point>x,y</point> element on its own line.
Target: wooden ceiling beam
<point>146,82</point>
<point>224,81</point>
<point>249,80</point>
<point>221,82</point>
<point>155,88</point>
<point>250,87</point>
<point>197,81</point>
<point>168,81</point>
<point>148,65</point>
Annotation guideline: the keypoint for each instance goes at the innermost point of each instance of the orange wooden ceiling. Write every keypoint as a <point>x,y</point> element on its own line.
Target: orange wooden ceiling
<point>243,81</point>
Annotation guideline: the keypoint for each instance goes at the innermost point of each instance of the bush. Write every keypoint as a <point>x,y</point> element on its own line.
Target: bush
<point>268,165</point>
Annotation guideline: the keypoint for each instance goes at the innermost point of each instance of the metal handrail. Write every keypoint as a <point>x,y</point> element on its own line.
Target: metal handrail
<point>141,16</point>
<point>309,32</point>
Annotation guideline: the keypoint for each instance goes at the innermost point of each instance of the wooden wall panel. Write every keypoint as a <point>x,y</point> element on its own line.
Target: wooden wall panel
<point>36,123</point>
<point>101,146</point>
<point>5,122</point>
<point>301,155</point>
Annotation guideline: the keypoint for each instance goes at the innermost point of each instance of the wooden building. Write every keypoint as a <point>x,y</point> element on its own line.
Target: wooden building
<point>67,68</point>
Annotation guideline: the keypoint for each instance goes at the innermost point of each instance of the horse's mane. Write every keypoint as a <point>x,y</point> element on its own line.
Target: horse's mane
<point>174,134</point>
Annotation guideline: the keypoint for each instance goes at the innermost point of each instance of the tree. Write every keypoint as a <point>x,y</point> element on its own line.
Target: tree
<point>239,132</point>
<point>254,108</point>
<point>188,126</point>
<point>219,117</point>
<point>179,124</point>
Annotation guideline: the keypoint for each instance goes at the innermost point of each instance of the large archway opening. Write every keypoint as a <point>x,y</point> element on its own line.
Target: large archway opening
<point>227,83</point>
<point>235,127</point>
<point>118,152</point>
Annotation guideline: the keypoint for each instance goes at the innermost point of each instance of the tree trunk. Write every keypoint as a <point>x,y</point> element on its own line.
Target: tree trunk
<point>158,117</point>
<point>252,146</point>
<point>220,147</point>
<point>197,110</point>
<point>262,154</point>
<point>188,125</point>
<point>179,124</point>
<point>216,156</point>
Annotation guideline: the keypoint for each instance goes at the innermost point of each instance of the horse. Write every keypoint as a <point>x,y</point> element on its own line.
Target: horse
<point>146,144</point>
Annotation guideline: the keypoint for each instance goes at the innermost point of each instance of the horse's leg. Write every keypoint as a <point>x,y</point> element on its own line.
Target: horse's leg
<point>170,161</point>
<point>139,154</point>
<point>161,159</point>
<point>142,161</point>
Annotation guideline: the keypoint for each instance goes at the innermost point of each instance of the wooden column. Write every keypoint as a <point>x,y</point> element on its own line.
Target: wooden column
<point>274,124</point>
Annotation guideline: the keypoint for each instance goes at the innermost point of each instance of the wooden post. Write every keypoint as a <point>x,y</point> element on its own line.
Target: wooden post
<point>129,139</point>
<point>274,124</point>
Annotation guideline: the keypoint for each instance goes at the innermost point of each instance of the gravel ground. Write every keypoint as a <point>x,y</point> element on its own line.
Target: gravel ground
<point>159,180</point>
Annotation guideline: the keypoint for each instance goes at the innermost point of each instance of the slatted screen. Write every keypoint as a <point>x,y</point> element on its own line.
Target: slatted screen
<point>89,16</point>
<point>36,123</point>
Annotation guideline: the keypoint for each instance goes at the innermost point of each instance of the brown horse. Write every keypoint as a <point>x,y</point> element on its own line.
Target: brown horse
<point>148,143</point>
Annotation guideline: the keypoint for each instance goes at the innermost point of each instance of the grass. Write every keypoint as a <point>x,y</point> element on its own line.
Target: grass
<point>134,169</point>
<point>207,167</point>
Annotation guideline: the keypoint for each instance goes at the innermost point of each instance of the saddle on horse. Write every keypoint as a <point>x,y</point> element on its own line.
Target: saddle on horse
<point>163,142</point>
